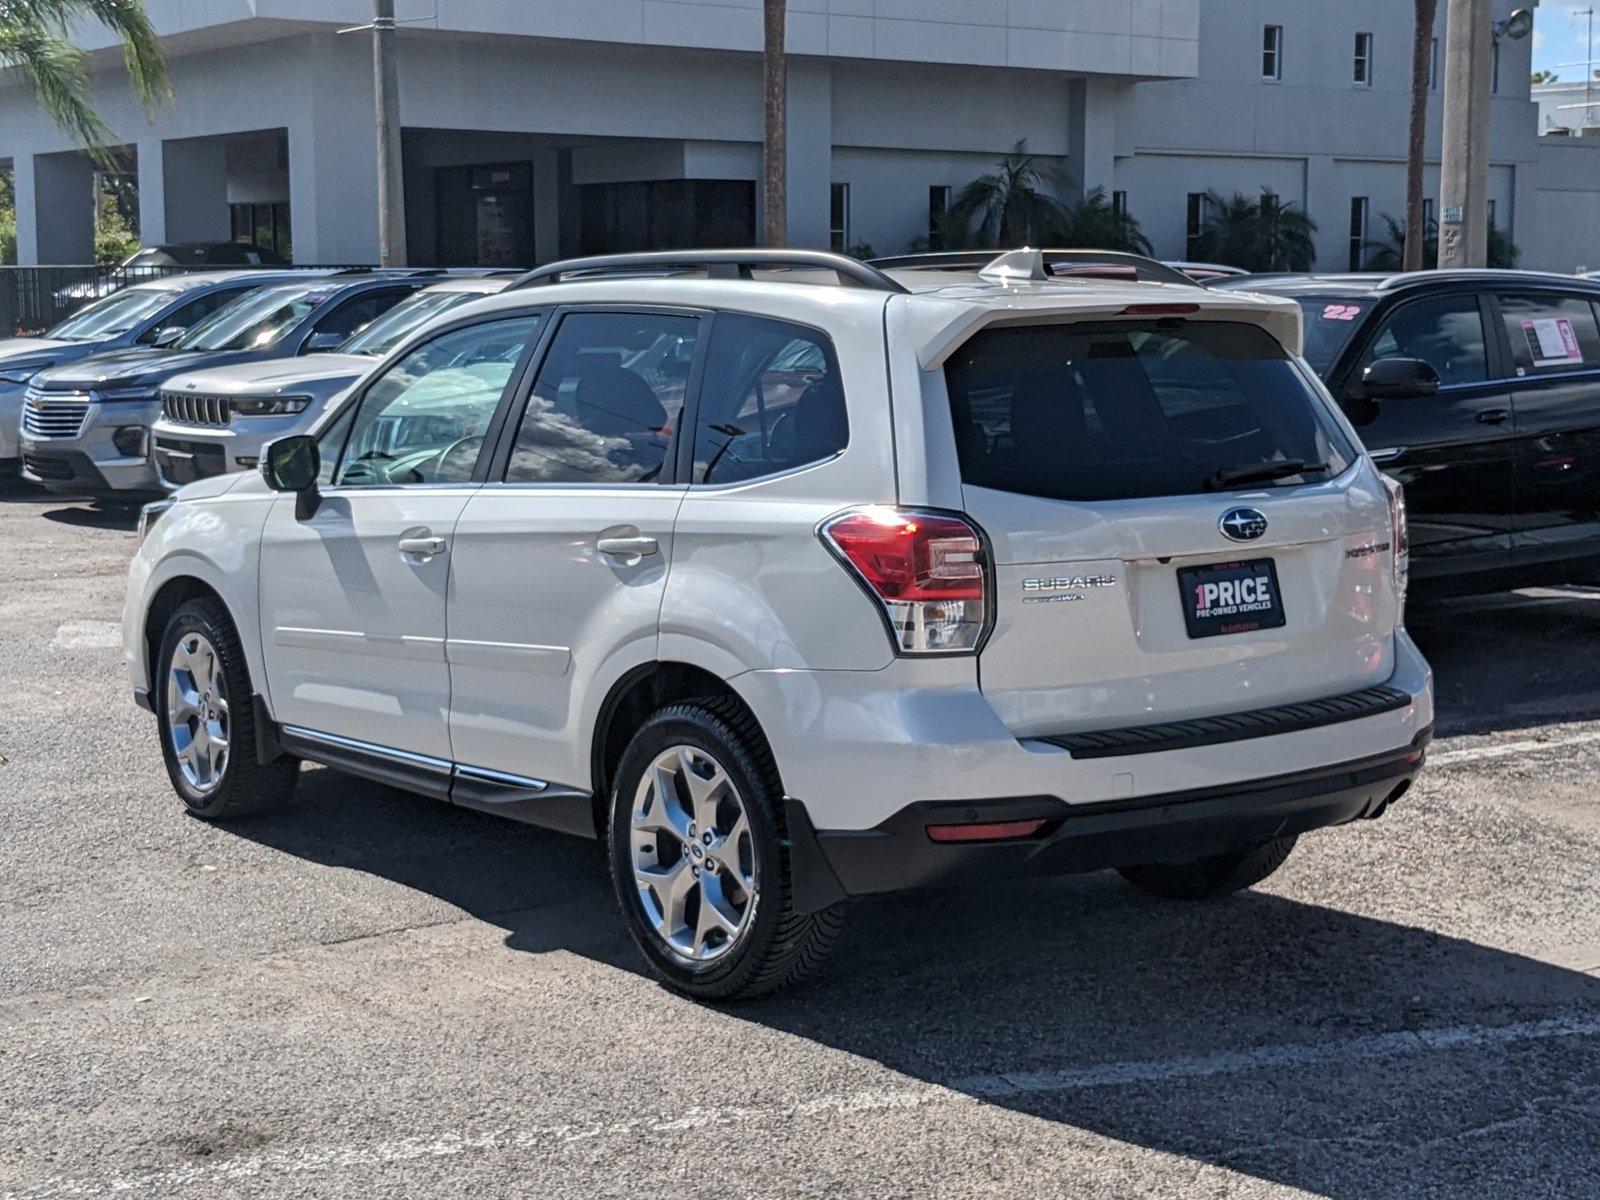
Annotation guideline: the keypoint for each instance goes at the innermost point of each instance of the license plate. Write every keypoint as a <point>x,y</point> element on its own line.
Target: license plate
<point>1233,597</point>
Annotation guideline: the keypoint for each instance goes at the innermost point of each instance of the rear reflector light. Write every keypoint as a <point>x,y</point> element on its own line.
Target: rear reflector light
<point>925,569</point>
<point>1160,310</point>
<point>1400,536</point>
<point>994,831</point>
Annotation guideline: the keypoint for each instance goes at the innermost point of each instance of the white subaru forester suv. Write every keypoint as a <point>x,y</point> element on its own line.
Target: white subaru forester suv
<point>795,580</point>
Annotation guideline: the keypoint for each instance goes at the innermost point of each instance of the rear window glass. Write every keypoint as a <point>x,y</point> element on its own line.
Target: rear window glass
<point>1113,412</point>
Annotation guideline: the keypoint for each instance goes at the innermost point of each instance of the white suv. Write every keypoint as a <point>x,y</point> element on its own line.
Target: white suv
<point>793,592</point>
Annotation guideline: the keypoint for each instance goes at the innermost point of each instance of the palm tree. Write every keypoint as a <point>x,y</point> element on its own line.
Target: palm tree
<point>1011,206</point>
<point>1263,234</point>
<point>1097,224</point>
<point>1388,252</point>
<point>34,39</point>
<point>775,114</point>
<point>1421,69</point>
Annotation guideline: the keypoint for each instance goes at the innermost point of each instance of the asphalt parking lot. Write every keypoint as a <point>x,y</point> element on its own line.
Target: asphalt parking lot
<point>372,995</point>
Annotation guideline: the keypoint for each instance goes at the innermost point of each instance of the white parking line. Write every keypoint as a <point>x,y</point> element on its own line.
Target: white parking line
<point>1450,758</point>
<point>88,635</point>
<point>336,1156</point>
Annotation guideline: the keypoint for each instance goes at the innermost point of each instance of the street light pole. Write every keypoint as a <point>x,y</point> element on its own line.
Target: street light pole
<point>386,95</point>
<point>1464,170</point>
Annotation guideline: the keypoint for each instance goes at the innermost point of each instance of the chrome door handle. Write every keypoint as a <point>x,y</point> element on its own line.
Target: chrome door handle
<point>1494,416</point>
<point>422,547</point>
<point>627,547</point>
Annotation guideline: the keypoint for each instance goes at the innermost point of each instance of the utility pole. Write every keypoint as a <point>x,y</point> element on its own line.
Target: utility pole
<point>386,94</point>
<point>775,117</point>
<point>1464,172</point>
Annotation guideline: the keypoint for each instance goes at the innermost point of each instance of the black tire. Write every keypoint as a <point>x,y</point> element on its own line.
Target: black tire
<point>1218,875</point>
<point>245,785</point>
<point>778,947</point>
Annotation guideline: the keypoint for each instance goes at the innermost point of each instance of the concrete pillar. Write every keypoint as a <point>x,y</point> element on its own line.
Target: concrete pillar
<point>194,172</point>
<point>1093,105</point>
<point>27,219</point>
<point>810,152</point>
<point>152,193</point>
<point>546,205</point>
<point>333,159</point>
<point>1330,211</point>
<point>63,193</point>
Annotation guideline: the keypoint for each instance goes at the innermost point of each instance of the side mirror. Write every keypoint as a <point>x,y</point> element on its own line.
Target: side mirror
<point>1399,379</point>
<point>292,464</point>
<point>168,335</point>
<point>323,341</point>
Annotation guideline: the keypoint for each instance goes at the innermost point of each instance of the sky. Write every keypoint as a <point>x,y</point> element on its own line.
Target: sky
<point>1560,35</point>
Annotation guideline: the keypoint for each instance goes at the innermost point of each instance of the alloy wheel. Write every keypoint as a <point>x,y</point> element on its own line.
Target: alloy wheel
<point>197,711</point>
<point>693,855</point>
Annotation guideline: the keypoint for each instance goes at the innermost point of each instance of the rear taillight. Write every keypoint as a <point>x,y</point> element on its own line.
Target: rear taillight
<point>925,568</point>
<point>1400,537</point>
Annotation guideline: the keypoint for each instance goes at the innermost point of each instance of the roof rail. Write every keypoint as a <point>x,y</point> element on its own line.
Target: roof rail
<point>1509,274</point>
<point>718,264</point>
<point>1058,264</point>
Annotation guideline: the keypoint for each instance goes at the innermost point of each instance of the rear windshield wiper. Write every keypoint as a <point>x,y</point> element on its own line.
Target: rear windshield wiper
<point>1262,472</point>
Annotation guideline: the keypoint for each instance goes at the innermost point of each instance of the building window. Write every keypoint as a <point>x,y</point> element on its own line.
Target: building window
<point>938,207</point>
<point>264,226</point>
<point>1494,213</point>
<point>1119,204</point>
<point>1494,70</point>
<point>1433,65</point>
<point>1195,227</point>
<point>1358,232</point>
<point>1363,63</point>
<point>839,217</point>
<point>1429,214</point>
<point>1272,52</point>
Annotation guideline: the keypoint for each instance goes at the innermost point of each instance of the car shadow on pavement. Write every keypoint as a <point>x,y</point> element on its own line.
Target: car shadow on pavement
<point>1113,1013</point>
<point>87,516</point>
<point>1512,660</point>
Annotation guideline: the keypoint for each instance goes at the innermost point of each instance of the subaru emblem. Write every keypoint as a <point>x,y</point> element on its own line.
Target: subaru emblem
<point>1243,524</point>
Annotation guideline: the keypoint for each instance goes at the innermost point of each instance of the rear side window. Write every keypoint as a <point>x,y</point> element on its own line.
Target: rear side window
<point>771,401</point>
<point>360,310</point>
<point>607,400</point>
<point>1113,412</point>
<point>1551,333</point>
<point>1446,332</point>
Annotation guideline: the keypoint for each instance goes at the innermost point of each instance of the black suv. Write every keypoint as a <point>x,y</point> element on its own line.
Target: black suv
<point>1480,392</point>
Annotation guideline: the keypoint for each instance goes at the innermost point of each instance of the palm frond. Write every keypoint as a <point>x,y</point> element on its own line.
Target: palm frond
<point>35,39</point>
<point>55,69</point>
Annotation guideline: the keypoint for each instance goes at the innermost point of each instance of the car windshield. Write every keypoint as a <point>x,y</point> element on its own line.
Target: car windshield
<point>1137,409</point>
<point>113,314</point>
<point>385,333</point>
<point>1331,321</point>
<point>166,256</point>
<point>257,319</point>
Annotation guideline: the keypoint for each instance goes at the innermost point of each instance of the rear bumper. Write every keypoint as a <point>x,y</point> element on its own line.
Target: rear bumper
<point>1173,827</point>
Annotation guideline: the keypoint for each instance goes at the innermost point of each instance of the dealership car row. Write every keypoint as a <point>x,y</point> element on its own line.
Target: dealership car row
<point>992,453</point>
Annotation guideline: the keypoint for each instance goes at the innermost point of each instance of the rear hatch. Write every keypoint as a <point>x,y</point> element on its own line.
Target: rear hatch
<point>1179,526</point>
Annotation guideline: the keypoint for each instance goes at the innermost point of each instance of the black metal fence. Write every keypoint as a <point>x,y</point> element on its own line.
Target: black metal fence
<point>32,299</point>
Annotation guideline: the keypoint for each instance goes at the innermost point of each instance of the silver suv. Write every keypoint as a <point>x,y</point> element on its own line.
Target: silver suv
<point>217,420</point>
<point>795,580</point>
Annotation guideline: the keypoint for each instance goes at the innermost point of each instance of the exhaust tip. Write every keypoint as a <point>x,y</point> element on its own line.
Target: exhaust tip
<point>1400,789</point>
